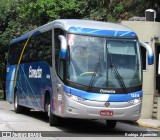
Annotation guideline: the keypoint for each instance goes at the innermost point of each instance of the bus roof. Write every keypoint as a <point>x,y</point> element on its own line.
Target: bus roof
<point>80,26</point>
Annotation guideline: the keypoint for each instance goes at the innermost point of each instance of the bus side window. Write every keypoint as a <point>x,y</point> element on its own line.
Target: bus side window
<point>25,56</point>
<point>31,52</point>
<point>15,56</point>
<point>14,53</point>
<point>144,58</point>
<point>58,62</point>
<point>33,49</point>
<point>47,47</point>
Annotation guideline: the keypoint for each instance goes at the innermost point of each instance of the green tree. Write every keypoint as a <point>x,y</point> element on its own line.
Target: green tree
<point>39,12</point>
<point>116,10</point>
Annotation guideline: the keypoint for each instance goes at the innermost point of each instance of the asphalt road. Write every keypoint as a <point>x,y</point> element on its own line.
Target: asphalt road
<point>71,128</point>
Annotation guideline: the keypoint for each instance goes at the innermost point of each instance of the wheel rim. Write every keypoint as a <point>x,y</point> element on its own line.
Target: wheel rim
<point>48,110</point>
<point>15,102</point>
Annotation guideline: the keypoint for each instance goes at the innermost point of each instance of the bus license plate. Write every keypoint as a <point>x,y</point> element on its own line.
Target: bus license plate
<point>106,113</point>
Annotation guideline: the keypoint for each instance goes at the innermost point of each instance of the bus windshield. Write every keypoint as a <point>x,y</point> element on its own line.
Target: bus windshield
<point>102,62</point>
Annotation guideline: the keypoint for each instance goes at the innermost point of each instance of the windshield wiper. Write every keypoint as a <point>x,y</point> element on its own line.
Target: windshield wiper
<point>93,76</point>
<point>118,76</point>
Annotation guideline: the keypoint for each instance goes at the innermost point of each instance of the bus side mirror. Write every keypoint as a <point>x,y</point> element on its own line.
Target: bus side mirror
<point>63,45</point>
<point>150,52</point>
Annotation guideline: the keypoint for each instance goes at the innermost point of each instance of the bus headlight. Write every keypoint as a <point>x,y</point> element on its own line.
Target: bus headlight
<point>135,101</point>
<point>74,98</point>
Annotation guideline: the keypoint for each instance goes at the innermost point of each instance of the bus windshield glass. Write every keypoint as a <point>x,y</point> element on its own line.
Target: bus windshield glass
<point>96,62</point>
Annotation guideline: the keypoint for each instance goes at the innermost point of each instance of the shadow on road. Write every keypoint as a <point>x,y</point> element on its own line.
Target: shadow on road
<point>78,126</point>
<point>37,115</point>
<point>91,127</point>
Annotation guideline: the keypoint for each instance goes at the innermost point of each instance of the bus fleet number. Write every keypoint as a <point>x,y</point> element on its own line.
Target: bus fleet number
<point>135,95</point>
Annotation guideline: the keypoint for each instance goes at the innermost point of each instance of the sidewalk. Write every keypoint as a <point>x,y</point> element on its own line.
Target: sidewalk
<point>150,123</point>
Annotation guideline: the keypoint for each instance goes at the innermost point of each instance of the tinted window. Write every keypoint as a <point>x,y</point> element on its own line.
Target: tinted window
<point>39,48</point>
<point>58,62</point>
<point>144,60</point>
<point>14,53</point>
<point>46,41</point>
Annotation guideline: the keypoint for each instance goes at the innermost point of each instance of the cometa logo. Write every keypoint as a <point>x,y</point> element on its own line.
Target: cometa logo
<point>107,91</point>
<point>35,73</point>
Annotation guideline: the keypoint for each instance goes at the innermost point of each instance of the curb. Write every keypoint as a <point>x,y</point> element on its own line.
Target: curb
<point>147,125</point>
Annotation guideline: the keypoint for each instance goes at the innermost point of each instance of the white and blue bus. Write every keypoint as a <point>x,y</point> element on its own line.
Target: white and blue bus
<point>77,69</point>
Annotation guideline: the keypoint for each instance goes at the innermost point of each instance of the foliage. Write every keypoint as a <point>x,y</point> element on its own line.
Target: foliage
<point>117,10</point>
<point>20,16</point>
<point>39,12</point>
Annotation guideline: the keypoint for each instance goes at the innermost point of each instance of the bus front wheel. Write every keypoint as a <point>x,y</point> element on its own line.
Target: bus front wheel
<point>111,123</point>
<point>53,119</point>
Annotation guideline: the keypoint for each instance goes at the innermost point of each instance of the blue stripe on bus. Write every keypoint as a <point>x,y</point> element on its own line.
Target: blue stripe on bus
<point>103,97</point>
<point>102,32</point>
<point>150,60</point>
<point>63,53</point>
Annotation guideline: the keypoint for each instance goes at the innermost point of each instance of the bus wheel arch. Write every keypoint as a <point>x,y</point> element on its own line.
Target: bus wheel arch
<point>47,99</point>
<point>53,119</point>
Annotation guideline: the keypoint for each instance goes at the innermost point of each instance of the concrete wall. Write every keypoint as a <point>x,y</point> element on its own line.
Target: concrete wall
<point>158,108</point>
<point>146,32</point>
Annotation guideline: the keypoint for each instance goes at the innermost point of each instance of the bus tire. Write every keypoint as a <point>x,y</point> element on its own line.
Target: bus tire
<point>53,119</point>
<point>17,108</point>
<point>111,123</point>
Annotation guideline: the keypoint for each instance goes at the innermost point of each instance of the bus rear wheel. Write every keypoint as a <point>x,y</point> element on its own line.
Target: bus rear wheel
<point>111,123</point>
<point>17,108</point>
<point>53,119</point>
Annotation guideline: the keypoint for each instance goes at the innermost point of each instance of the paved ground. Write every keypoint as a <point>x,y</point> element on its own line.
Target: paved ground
<point>38,121</point>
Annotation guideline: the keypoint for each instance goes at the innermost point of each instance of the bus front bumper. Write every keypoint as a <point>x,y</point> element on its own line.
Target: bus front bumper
<point>98,110</point>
